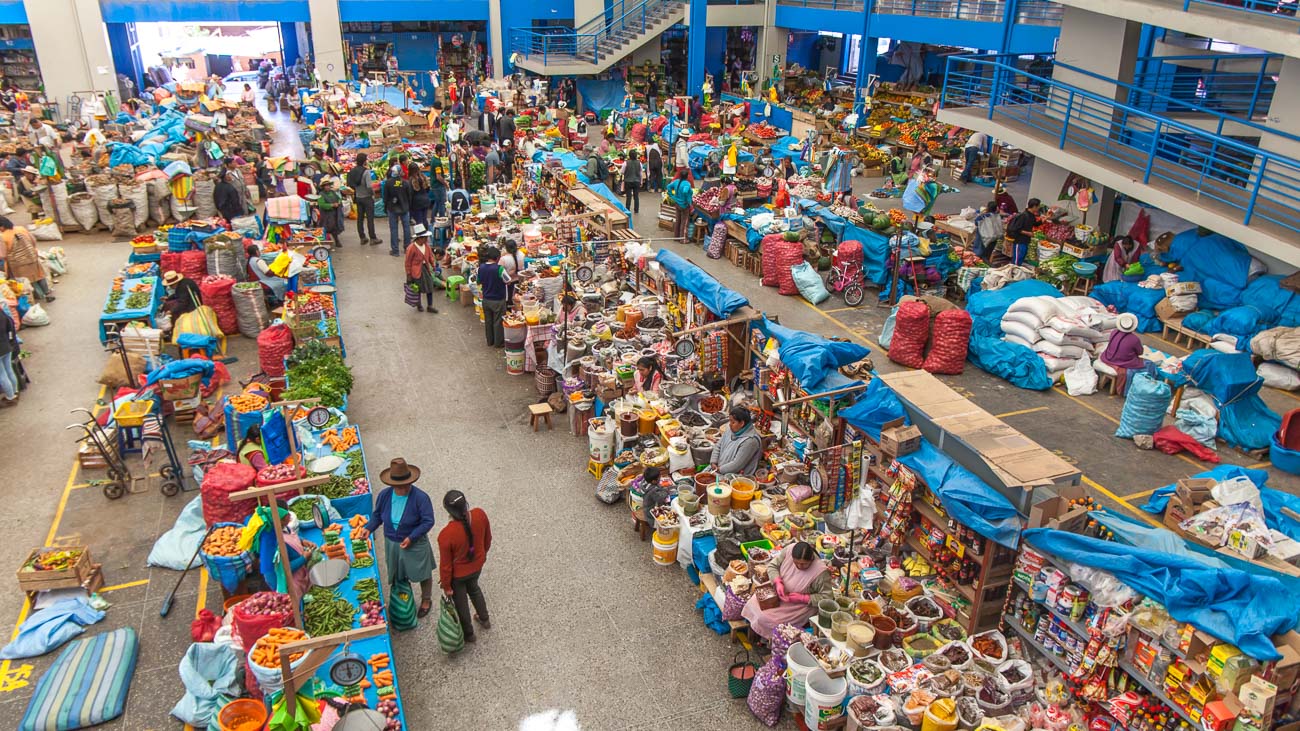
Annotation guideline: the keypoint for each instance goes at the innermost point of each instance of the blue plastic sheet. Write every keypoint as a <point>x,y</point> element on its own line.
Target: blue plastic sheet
<point>698,157</point>
<point>210,674</point>
<point>1221,265</point>
<point>1013,362</point>
<point>182,369</point>
<point>720,300</point>
<point>964,495</point>
<point>50,627</point>
<point>1273,500</point>
<point>1245,421</point>
<point>608,195</point>
<point>1128,297</point>
<point>811,358</point>
<point>601,96</point>
<point>1234,606</point>
<point>781,149</point>
<point>174,549</point>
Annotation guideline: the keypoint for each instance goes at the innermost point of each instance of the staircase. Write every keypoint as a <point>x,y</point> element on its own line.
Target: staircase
<point>598,43</point>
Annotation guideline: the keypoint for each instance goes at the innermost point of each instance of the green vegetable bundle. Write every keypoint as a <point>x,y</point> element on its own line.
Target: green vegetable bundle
<point>318,371</point>
<point>336,487</point>
<point>326,613</point>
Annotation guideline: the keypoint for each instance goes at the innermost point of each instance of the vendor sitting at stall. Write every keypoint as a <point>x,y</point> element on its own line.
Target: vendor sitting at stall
<point>653,494</point>
<point>259,528</point>
<point>183,294</point>
<point>1123,353</point>
<point>740,447</point>
<point>799,577</point>
<point>250,450</point>
<point>258,269</point>
<point>649,374</point>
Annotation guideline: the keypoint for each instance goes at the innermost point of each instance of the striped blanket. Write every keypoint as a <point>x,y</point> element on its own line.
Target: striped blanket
<point>86,686</point>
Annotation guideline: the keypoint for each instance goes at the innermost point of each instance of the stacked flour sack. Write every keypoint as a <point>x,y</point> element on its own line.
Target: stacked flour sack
<point>1062,330</point>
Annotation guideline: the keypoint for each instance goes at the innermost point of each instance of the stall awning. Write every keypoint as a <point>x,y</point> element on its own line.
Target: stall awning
<point>964,495</point>
<point>720,300</point>
<point>1234,606</point>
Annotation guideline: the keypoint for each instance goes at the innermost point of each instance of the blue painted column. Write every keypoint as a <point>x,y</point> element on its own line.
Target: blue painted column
<point>125,51</point>
<point>867,54</point>
<point>289,43</point>
<point>695,45</point>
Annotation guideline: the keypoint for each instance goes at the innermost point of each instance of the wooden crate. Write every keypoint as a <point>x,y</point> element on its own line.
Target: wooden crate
<point>70,578</point>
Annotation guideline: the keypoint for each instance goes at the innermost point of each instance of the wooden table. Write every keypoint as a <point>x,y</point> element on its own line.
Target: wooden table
<point>599,205</point>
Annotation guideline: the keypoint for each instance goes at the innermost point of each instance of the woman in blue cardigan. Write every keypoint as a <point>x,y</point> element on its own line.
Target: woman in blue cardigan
<point>406,513</point>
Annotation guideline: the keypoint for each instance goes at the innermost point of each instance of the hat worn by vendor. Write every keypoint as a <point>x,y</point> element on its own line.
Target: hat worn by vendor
<point>419,231</point>
<point>32,170</point>
<point>172,278</point>
<point>399,473</point>
<point>1127,322</point>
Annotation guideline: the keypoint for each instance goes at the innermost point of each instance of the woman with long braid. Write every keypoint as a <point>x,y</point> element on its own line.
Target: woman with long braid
<point>464,544</point>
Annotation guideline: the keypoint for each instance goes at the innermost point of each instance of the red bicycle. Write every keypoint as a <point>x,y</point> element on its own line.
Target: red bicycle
<point>848,279</point>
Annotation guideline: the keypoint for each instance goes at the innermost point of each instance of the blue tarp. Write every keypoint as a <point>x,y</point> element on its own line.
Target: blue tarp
<point>812,359</point>
<point>988,351</point>
<point>50,627</point>
<point>608,195</point>
<point>1221,265</point>
<point>167,131</point>
<point>720,300</point>
<point>1234,606</point>
<point>1245,421</point>
<point>753,239</point>
<point>964,495</point>
<point>1273,500</point>
<point>1129,297</point>
<point>182,369</point>
<point>781,148</point>
<point>601,96</point>
<point>698,157</point>
<point>875,246</point>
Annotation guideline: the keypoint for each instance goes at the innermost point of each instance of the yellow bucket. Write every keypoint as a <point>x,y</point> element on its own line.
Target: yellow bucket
<point>665,550</point>
<point>742,491</point>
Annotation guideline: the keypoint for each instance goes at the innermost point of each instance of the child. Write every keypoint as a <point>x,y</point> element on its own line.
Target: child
<point>654,494</point>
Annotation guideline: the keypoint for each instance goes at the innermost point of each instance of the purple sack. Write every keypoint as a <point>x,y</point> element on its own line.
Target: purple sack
<point>732,605</point>
<point>767,694</point>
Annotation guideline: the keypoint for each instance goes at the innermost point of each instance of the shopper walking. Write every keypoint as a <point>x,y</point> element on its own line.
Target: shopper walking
<point>492,278</point>
<point>21,260</point>
<point>420,200</point>
<point>406,514</point>
<point>654,158</point>
<point>361,180</point>
<point>397,206</point>
<point>463,545</point>
<point>632,182</point>
<point>421,266</point>
<point>681,194</point>
<point>9,385</point>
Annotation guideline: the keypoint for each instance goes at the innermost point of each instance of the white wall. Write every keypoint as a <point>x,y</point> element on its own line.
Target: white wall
<point>71,48</point>
<point>1098,43</point>
<point>585,10</point>
<point>327,40</point>
<point>496,44</point>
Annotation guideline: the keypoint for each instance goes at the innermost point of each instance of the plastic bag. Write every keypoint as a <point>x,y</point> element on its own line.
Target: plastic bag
<point>911,333</point>
<point>950,340</point>
<point>49,628</point>
<point>1105,589</point>
<point>1198,422</point>
<point>887,330</point>
<point>1080,378</point>
<point>767,693</point>
<point>732,604</point>
<point>174,549</point>
<point>205,626</point>
<point>36,316</point>
<point>45,230</point>
<point>210,674</point>
<point>1239,489</point>
<point>451,637</point>
<point>809,283</point>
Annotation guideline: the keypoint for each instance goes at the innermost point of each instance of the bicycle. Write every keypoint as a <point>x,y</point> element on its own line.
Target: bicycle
<point>848,279</point>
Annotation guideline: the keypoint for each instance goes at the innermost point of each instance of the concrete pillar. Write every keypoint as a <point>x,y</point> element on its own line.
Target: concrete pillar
<point>698,17</point>
<point>71,48</point>
<point>584,11</point>
<point>771,48</point>
<point>1284,111</point>
<point>1102,44</point>
<point>289,43</point>
<point>327,40</point>
<point>496,39</point>
<point>1045,185</point>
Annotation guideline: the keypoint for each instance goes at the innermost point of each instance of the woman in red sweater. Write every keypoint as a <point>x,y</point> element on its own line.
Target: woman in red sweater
<point>464,545</point>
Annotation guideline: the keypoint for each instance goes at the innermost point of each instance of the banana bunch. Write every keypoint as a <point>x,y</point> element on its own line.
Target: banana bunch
<point>915,565</point>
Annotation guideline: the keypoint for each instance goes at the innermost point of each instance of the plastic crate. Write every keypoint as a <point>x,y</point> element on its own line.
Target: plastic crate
<point>764,544</point>
<point>132,413</point>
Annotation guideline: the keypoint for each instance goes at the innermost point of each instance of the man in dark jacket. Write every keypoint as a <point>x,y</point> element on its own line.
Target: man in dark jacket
<point>506,126</point>
<point>359,180</point>
<point>227,200</point>
<point>397,205</point>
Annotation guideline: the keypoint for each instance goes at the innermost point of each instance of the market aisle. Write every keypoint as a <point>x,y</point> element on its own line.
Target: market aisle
<point>581,617</point>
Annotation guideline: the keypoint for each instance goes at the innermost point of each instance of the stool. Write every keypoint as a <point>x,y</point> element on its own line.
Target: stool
<point>453,287</point>
<point>538,413</point>
<point>130,439</point>
<point>1106,382</point>
<point>597,469</point>
<point>1081,285</point>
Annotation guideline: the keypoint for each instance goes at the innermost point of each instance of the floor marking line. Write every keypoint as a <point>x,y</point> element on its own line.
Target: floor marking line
<point>1137,495</point>
<point>1086,405</point>
<point>1258,465</point>
<point>1022,412</point>
<point>127,585</point>
<point>843,327</point>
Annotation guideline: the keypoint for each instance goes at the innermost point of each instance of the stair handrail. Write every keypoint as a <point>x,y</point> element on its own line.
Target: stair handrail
<point>580,40</point>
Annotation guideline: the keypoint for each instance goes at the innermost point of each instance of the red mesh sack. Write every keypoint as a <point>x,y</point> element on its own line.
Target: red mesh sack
<point>170,261</point>
<point>250,628</point>
<point>788,256</point>
<point>216,294</point>
<point>911,331</point>
<point>768,246</point>
<point>658,124</point>
<point>265,478</point>
<point>638,132</point>
<point>221,480</point>
<point>194,264</point>
<point>848,252</point>
<point>951,339</point>
<point>273,345</point>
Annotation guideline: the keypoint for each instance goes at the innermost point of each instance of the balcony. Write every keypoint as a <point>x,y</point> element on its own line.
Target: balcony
<point>1241,189</point>
<point>1269,25</point>
<point>1239,85</point>
<point>850,5</point>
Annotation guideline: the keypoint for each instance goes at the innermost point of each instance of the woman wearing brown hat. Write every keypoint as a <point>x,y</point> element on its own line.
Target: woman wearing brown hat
<point>406,513</point>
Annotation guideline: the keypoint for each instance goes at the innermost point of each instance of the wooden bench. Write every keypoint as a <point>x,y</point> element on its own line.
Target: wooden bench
<point>1174,332</point>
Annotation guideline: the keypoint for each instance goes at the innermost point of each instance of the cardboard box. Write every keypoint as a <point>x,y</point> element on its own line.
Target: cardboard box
<point>1194,490</point>
<point>896,439</point>
<point>1258,697</point>
<point>1055,512</point>
<point>1165,311</point>
<point>1246,545</point>
<point>1175,513</point>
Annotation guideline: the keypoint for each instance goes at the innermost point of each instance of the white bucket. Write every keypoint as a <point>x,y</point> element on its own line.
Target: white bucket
<point>600,439</point>
<point>798,664</point>
<point>515,362</point>
<point>824,700</point>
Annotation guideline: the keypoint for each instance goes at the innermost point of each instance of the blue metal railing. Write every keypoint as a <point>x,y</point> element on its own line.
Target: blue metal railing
<point>1224,83</point>
<point>850,5</point>
<point>1242,180</point>
<point>1264,7</point>
<point>593,39</point>
<point>1039,12</point>
<point>983,10</point>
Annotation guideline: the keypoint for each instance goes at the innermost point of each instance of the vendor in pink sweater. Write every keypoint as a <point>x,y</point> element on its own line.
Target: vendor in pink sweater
<point>1124,352</point>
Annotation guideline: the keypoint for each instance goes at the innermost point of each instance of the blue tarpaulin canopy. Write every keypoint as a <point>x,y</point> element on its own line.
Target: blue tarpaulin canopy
<point>964,495</point>
<point>601,96</point>
<point>875,246</point>
<point>608,195</point>
<point>720,300</point>
<point>1234,606</point>
<point>814,360</point>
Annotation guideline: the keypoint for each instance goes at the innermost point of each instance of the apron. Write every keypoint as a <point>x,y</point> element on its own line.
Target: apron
<point>764,621</point>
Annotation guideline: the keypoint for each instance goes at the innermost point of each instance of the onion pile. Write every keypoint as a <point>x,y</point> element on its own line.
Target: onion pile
<point>266,602</point>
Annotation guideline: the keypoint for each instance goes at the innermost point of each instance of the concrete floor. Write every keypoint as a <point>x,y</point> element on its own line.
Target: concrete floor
<point>582,619</point>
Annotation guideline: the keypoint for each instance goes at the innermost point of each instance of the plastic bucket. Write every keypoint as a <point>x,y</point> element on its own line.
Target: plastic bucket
<point>826,608</point>
<point>242,714</point>
<point>719,499</point>
<point>885,629</point>
<point>798,664</point>
<point>647,418</point>
<point>840,622</point>
<point>858,637</point>
<point>515,362</point>
<point>515,334</point>
<point>600,438</point>
<point>762,511</point>
<point>742,491</point>
<point>665,550</point>
<point>823,700</point>
<point>703,480</point>
<point>690,503</point>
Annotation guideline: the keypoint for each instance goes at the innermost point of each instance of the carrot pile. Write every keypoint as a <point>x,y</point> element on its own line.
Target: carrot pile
<point>357,521</point>
<point>266,651</point>
<point>335,550</point>
<point>340,441</point>
<point>246,402</point>
<point>223,541</point>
